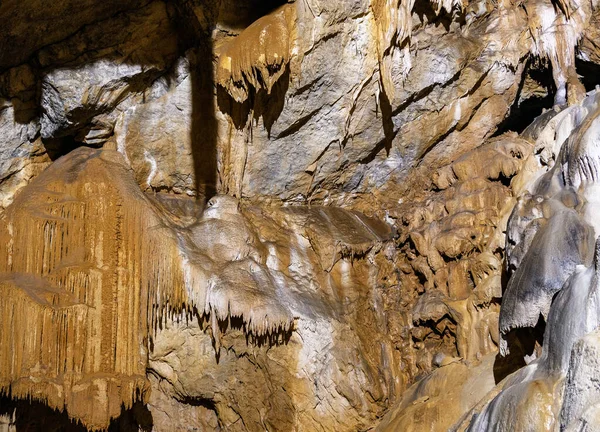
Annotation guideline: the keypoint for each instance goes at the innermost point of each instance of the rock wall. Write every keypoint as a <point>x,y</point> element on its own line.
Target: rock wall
<point>548,313</point>
<point>303,215</point>
<point>563,265</point>
<point>217,293</point>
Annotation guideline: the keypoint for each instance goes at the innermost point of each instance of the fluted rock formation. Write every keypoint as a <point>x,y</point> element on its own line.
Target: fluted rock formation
<point>273,215</point>
<point>96,274</point>
<point>79,292</point>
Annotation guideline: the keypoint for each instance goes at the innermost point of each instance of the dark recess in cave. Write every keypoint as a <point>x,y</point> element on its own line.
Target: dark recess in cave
<point>521,342</point>
<point>427,13</point>
<point>33,416</point>
<point>240,14</point>
<point>57,147</point>
<point>523,112</point>
<point>589,73</point>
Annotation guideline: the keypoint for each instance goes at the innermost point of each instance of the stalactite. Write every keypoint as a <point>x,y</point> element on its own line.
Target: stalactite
<point>555,32</point>
<point>393,23</point>
<point>82,247</point>
<point>92,268</point>
<point>258,56</point>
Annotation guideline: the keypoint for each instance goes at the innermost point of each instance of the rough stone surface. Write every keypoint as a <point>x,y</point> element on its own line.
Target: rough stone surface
<point>562,200</point>
<point>198,276</point>
<point>298,215</point>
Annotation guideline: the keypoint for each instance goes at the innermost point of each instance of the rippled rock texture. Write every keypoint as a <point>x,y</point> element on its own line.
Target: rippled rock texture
<point>298,215</point>
<point>212,304</point>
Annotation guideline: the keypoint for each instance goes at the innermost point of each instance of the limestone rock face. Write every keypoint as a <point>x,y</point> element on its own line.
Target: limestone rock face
<point>155,136</point>
<point>581,390</point>
<point>298,215</point>
<point>551,258</point>
<point>21,40</point>
<point>563,198</point>
<point>22,154</point>
<point>339,134</point>
<point>112,274</point>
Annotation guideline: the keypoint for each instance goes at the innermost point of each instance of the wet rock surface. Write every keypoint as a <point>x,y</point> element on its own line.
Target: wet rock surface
<point>303,215</point>
<point>212,303</point>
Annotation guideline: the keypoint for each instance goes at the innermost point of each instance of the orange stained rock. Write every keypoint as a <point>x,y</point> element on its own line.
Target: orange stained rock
<point>85,272</point>
<point>259,55</point>
<point>91,267</point>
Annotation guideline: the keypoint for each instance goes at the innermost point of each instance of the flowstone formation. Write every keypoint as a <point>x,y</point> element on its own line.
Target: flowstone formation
<point>548,315</point>
<point>303,215</point>
<point>259,55</point>
<point>553,235</point>
<point>104,274</point>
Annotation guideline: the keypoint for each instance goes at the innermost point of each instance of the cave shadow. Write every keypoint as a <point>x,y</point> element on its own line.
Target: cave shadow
<point>57,147</point>
<point>34,416</point>
<point>523,113</point>
<point>521,342</point>
<point>589,73</point>
<point>194,36</point>
<point>427,13</point>
<point>204,121</point>
<point>242,13</point>
<point>192,39</point>
<point>387,123</point>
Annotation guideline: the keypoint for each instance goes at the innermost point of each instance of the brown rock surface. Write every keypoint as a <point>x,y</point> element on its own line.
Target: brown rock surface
<point>292,215</point>
<point>78,300</point>
<point>107,274</point>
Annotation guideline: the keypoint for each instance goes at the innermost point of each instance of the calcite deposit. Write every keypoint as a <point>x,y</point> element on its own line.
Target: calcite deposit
<point>246,215</point>
<point>107,273</point>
